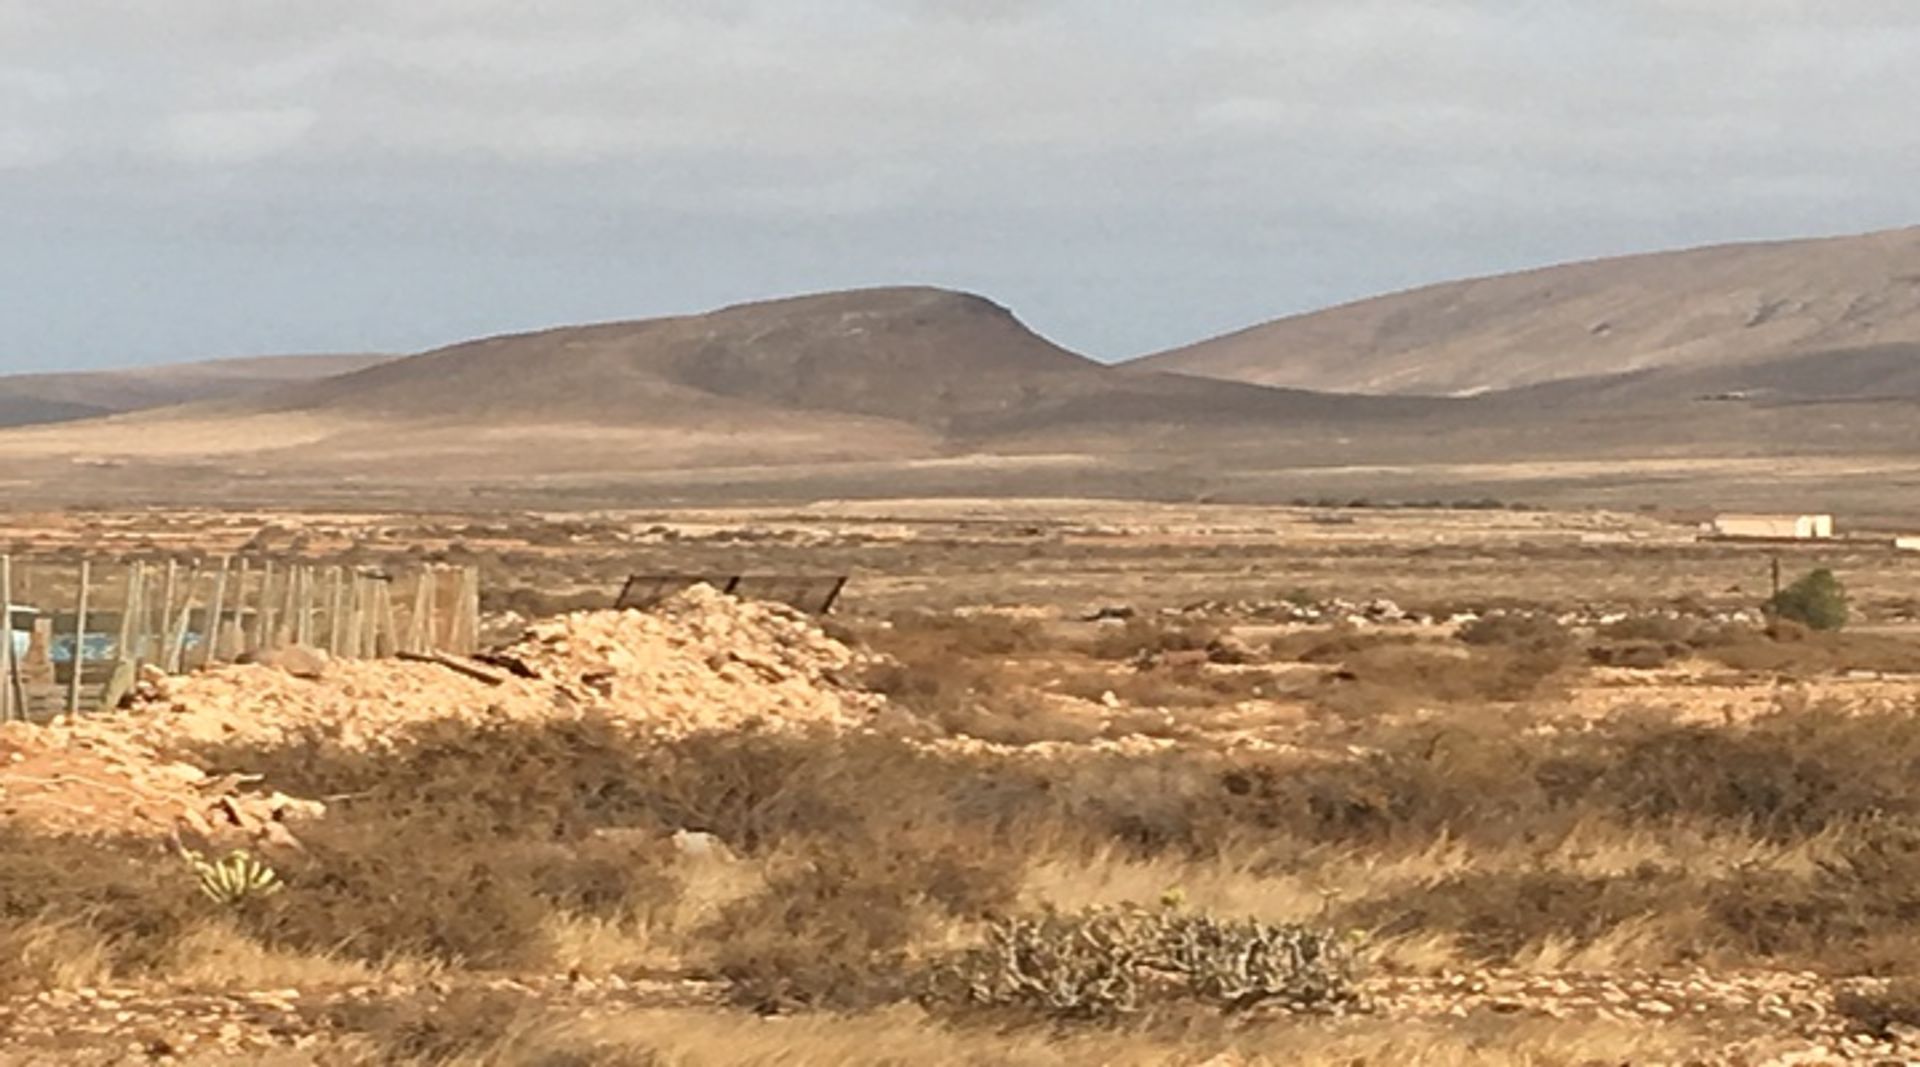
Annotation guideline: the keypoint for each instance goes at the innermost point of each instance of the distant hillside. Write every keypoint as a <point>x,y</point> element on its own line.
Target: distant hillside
<point>941,362</point>
<point>32,399</point>
<point>1709,307</point>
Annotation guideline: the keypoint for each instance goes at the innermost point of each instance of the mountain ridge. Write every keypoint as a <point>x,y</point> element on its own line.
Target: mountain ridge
<point>1715,304</point>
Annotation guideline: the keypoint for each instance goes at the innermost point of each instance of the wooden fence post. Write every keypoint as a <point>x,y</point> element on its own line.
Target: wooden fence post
<point>336,604</point>
<point>239,644</point>
<point>264,620</point>
<point>7,672</point>
<point>210,636</point>
<point>79,638</point>
<point>176,655</point>
<point>356,607</point>
<point>165,607</point>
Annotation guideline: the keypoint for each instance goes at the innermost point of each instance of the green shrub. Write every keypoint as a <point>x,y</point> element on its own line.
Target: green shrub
<point>1818,600</point>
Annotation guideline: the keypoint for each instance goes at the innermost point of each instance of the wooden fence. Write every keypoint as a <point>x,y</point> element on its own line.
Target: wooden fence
<point>74,637</point>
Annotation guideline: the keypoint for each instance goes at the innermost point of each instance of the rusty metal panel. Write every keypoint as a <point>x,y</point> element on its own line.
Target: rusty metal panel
<point>814,594</point>
<point>644,591</point>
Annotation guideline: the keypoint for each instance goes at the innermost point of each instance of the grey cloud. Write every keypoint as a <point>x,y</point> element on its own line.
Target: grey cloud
<point>1131,174</point>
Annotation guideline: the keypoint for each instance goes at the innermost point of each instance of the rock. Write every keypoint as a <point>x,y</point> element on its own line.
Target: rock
<point>297,660</point>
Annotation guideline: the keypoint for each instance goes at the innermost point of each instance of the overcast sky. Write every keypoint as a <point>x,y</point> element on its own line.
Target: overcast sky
<point>191,178</point>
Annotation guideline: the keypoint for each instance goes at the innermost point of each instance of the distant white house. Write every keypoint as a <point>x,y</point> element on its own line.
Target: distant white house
<point>1774,527</point>
<point>1907,544</point>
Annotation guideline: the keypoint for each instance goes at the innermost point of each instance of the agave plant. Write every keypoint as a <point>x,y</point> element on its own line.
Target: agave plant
<point>234,878</point>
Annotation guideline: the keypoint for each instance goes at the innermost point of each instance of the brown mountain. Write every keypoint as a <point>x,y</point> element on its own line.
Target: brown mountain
<point>944,363</point>
<point>908,375</point>
<point>1710,307</point>
<point>30,399</point>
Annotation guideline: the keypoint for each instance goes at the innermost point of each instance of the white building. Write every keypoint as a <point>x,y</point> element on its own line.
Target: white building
<point>1774,527</point>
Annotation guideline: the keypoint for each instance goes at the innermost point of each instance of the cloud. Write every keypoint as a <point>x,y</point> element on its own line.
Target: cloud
<point>1080,157</point>
<point>233,137</point>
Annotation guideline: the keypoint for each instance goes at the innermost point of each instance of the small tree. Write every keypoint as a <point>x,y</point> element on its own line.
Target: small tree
<point>1818,601</point>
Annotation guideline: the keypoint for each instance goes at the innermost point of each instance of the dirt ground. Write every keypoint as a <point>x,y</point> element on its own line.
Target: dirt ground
<point>1579,802</point>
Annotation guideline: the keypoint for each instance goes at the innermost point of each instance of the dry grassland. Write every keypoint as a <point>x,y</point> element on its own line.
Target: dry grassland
<point>1608,823</point>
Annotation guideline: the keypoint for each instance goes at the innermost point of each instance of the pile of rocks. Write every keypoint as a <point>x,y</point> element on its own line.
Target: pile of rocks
<point>701,662</point>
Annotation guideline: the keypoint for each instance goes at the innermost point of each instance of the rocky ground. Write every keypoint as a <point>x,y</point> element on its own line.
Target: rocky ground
<point>1754,1020</point>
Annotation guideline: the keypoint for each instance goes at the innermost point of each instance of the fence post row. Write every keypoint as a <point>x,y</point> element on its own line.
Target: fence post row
<point>196,615</point>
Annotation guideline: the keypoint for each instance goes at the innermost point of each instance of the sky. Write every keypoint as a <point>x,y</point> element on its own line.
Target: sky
<point>200,178</point>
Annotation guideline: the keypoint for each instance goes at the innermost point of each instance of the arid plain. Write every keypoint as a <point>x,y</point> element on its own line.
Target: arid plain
<point>1549,773</point>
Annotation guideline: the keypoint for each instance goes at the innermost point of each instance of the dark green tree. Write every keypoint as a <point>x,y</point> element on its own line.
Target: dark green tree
<point>1817,601</point>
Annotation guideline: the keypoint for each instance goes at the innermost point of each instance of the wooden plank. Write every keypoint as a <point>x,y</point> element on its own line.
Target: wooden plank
<point>477,671</point>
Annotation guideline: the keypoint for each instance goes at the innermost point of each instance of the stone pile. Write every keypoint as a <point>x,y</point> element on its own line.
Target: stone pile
<point>700,662</point>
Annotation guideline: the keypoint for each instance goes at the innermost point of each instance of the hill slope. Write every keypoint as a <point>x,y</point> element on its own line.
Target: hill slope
<point>886,375</point>
<point>31,399</point>
<point>944,363</point>
<point>1706,307</point>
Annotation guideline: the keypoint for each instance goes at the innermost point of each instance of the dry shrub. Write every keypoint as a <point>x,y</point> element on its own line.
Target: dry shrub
<point>457,844</point>
<point>1181,686</point>
<point>1518,631</point>
<point>1390,678</point>
<point>465,1027</point>
<point>1107,964</point>
<point>1793,650</point>
<point>376,889</point>
<point>1333,646</point>
<point>1636,655</point>
<point>921,638</point>
<point>837,928</point>
<point>1656,629</point>
<point>531,603</point>
<point>130,902</point>
<point>1786,775</point>
<point>1498,915</point>
<point>1880,1013</point>
<point>1143,639</point>
<point>1855,914</point>
<point>949,673</point>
